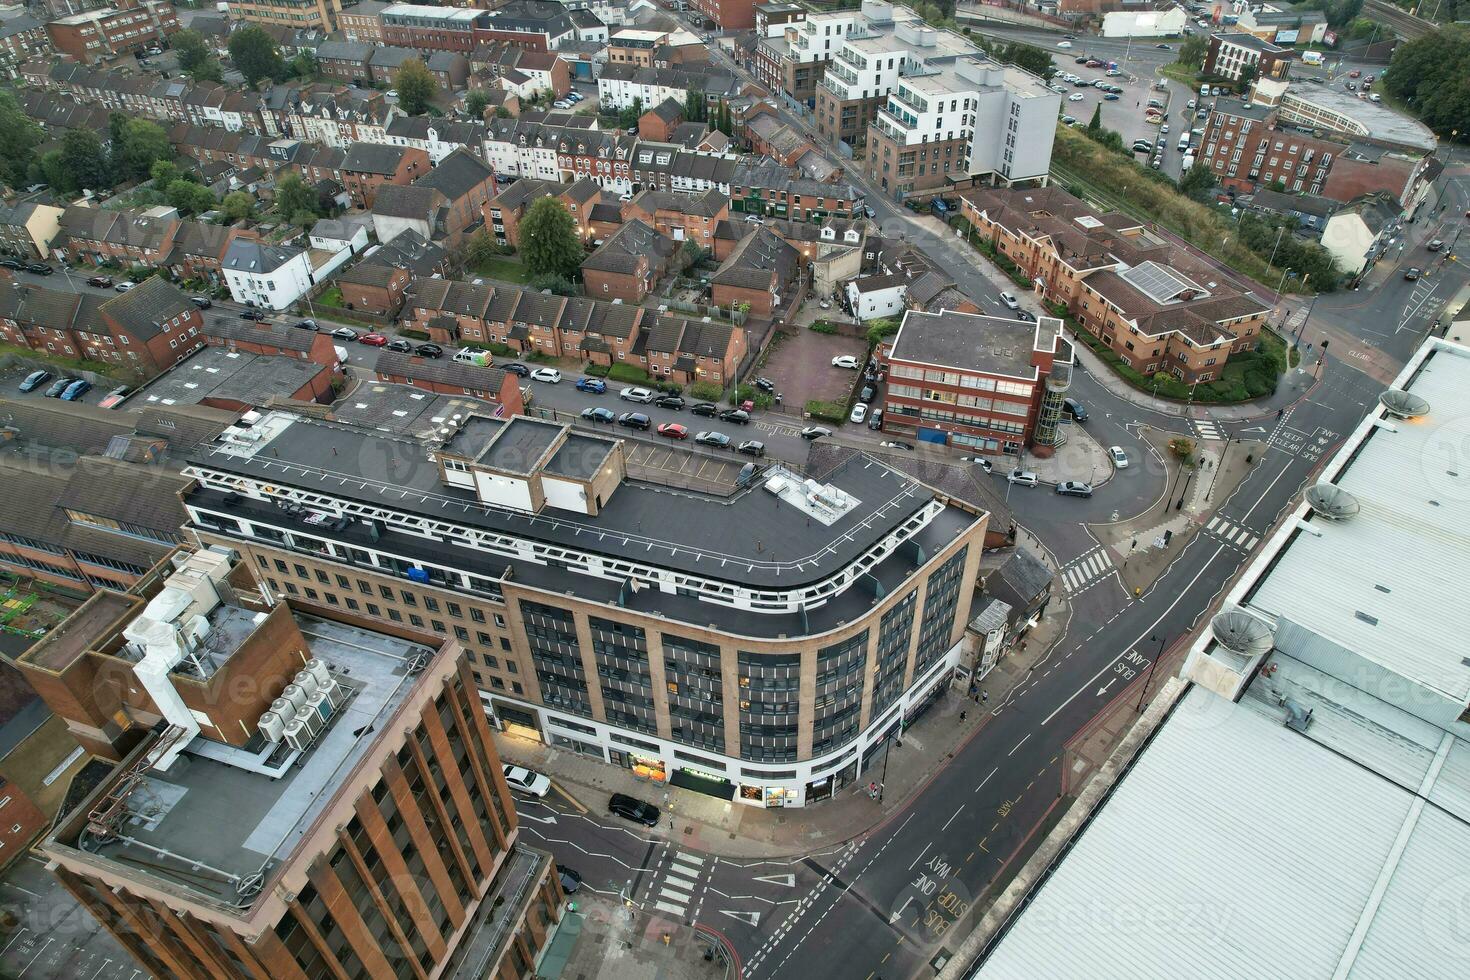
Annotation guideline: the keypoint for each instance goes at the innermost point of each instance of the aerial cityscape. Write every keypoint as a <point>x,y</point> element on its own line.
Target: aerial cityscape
<point>734,490</point>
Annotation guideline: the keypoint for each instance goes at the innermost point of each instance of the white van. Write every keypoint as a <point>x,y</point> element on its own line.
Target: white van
<point>1204,91</point>
<point>468,356</point>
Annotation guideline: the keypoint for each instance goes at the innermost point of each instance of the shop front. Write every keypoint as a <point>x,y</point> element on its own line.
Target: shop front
<point>643,766</point>
<point>518,721</point>
<point>701,781</point>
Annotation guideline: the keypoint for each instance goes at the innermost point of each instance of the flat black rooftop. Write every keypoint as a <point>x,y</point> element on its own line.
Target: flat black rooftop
<point>970,342</point>
<point>474,436</point>
<point>580,457</point>
<point>520,445</point>
<point>751,537</point>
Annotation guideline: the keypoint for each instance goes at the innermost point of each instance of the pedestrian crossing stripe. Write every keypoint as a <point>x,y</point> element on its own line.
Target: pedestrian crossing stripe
<point>1086,569</point>
<point>1208,431</point>
<point>1232,533</point>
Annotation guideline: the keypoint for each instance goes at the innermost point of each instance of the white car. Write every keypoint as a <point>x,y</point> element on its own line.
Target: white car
<point>1024,478</point>
<point>845,361</point>
<point>859,414</point>
<point>640,395</point>
<point>1120,458</point>
<point>1010,301</point>
<point>1164,128</point>
<point>526,780</point>
<point>1075,97</point>
<point>1064,44</point>
<point>550,376</point>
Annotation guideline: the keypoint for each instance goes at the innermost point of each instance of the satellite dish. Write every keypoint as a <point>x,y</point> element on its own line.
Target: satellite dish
<point>1332,502</point>
<point>1403,404</point>
<point>1241,632</point>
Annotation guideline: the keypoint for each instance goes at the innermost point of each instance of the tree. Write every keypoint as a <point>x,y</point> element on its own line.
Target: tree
<point>255,55</point>
<point>628,117</point>
<point>19,137</point>
<point>1095,123</point>
<point>81,163</point>
<point>501,112</point>
<point>144,143</point>
<point>550,244</point>
<point>304,65</point>
<point>416,86</point>
<point>195,58</point>
<point>164,173</point>
<point>1197,181</point>
<point>1432,75</point>
<point>237,205</point>
<point>293,196</point>
<point>1248,74</point>
<point>304,218</point>
<point>1192,51</point>
<point>879,329</point>
<point>479,248</point>
<point>189,197</point>
<point>560,285</point>
<point>476,103</point>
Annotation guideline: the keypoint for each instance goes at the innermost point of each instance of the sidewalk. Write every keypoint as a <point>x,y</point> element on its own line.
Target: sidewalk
<point>618,943</point>
<point>1293,386</point>
<point>733,829</point>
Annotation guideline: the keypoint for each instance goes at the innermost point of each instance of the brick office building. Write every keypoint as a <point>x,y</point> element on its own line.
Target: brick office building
<point>123,27</point>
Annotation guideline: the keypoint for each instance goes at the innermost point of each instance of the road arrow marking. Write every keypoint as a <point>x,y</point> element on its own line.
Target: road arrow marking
<point>750,918</point>
<point>1257,428</point>
<point>527,816</point>
<point>788,881</point>
<point>1104,689</point>
<point>899,913</point>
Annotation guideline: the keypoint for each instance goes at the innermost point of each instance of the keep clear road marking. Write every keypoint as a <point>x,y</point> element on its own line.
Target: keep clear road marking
<point>1167,609</point>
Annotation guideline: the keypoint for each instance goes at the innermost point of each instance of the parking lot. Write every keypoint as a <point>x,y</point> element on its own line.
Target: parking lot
<point>53,936</point>
<point>682,465</point>
<point>12,376</point>
<point>800,363</point>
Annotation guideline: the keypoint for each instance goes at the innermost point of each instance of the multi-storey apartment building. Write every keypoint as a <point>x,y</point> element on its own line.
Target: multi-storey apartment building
<point>976,382</point>
<point>1160,306</point>
<point>123,27</point>
<point>791,57</point>
<point>340,812</point>
<point>301,15</point>
<point>22,38</point>
<point>864,69</point>
<point>760,643</point>
<point>727,15</point>
<point>1231,53</point>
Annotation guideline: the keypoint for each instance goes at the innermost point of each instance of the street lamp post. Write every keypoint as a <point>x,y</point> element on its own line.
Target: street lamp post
<point>1148,678</point>
<point>1272,261</point>
<point>1295,341</point>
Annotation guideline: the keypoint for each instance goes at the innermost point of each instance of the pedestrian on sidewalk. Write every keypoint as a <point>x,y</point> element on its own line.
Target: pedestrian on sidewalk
<point>962,715</point>
<point>985,696</point>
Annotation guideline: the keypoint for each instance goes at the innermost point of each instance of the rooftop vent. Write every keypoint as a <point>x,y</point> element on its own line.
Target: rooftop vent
<point>1331,502</point>
<point>1403,404</point>
<point>1242,632</point>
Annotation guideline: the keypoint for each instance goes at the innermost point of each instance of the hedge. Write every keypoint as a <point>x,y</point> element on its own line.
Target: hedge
<point>742,393</point>
<point>595,370</point>
<point>415,334</point>
<point>827,411</point>
<point>706,391</point>
<point>822,326</point>
<point>1247,376</point>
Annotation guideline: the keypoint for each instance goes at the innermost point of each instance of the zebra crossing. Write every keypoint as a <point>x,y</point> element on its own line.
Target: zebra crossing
<point>1232,533</point>
<point>1087,570</point>
<point>679,882</point>
<point>1208,430</point>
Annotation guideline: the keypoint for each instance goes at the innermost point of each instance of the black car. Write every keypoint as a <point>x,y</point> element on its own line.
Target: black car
<point>670,401</point>
<point>867,395</point>
<point>257,315</point>
<point>39,268</point>
<point>429,350</point>
<point>570,880</point>
<point>401,346</point>
<point>708,409</point>
<point>738,416</point>
<point>1023,315</point>
<point>58,386</point>
<point>752,447</point>
<point>716,439</point>
<point>598,415</point>
<point>635,420</point>
<point>630,809</point>
<point>1074,408</point>
<point>11,264</point>
<point>517,368</point>
<point>101,282</point>
<point>765,384</point>
<point>203,302</point>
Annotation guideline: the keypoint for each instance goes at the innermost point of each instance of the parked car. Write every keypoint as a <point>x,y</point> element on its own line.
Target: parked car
<point>1010,300</point>
<point>896,444</point>
<point>635,420</point>
<point>875,419</point>
<point>1074,408</point>
<point>1120,458</point>
<point>58,386</point>
<point>845,361</point>
<point>123,287</point>
<point>345,333</point>
<point>859,414</point>
<point>594,385</point>
<point>1411,273</point>
<point>1021,477</point>
<point>1074,488</point>
<point>716,439</point>
<point>550,376</point>
<point>429,350</point>
<point>373,340</point>
<point>525,780</point>
<point>101,282</point>
<point>39,268</point>
<point>570,880</point>
<point>752,447</point>
<point>815,432</point>
<point>764,384</point>
<point>707,409</point>
<point>1435,245</point>
<point>633,809</point>
<point>735,416</point>
<point>980,461</point>
<point>1025,317</point>
<point>76,390</point>
<point>1111,97</point>
<point>672,402</point>
<point>640,395</point>
<point>599,415</point>
<point>203,302</point>
<point>867,395</point>
<point>1075,97</point>
<point>244,314</point>
<point>401,346</point>
<point>8,263</point>
<point>35,380</point>
<point>673,430</point>
<point>301,325</point>
<point>516,368</point>
<point>115,397</point>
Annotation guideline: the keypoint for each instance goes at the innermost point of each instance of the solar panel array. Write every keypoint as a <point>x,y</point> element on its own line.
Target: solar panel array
<point>1158,283</point>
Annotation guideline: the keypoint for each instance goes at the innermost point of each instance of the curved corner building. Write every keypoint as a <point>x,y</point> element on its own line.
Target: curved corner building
<point>759,643</point>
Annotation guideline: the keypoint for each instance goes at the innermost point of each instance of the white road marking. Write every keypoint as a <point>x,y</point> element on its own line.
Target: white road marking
<point>1018,745</point>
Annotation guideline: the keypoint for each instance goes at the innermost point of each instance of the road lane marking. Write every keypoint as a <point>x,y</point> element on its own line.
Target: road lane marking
<point>1019,744</point>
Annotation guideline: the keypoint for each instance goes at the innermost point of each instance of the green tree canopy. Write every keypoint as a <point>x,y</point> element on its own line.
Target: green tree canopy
<point>476,103</point>
<point>549,241</point>
<point>237,205</point>
<point>1192,51</point>
<point>304,65</point>
<point>19,137</point>
<point>1248,74</point>
<point>416,86</point>
<point>164,172</point>
<point>1095,123</point>
<point>255,55</point>
<point>628,117</point>
<point>189,197</point>
<point>80,163</point>
<point>195,57</point>
<point>144,143</point>
<point>1432,75</point>
<point>478,248</point>
<point>1197,181</point>
<point>293,196</point>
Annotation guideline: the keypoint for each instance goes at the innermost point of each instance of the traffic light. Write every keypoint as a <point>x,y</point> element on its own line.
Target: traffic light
<point>1324,344</point>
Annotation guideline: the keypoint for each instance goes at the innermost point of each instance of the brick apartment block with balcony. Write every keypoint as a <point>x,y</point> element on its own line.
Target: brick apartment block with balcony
<point>123,27</point>
<point>1160,307</point>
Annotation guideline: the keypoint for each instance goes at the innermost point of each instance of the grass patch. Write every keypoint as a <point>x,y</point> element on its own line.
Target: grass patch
<point>506,270</point>
<point>1181,73</point>
<point>63,364</point>
<point>822,326</point>
<point>331,297</point>
<point>629,374</point>
<point>835,412</point>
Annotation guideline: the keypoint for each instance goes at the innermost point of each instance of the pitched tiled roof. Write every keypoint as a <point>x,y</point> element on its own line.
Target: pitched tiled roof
<point>374,158</point>
<point>144,308</point>
<point>470,376</point>
<point>456,175</point>
<point>622,251</point>
<point>763,260</point>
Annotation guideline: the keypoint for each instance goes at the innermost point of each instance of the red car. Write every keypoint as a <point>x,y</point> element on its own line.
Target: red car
<point>673,430</point>
<point>1355,73</point>
<point>373,340</point>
